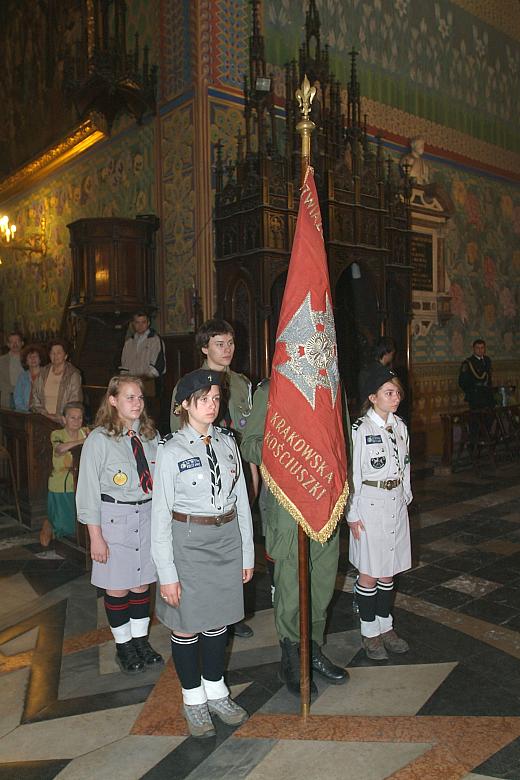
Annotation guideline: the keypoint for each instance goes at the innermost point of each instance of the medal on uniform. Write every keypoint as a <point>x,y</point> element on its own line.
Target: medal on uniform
<point>120,478</point>
<point>242,422</point>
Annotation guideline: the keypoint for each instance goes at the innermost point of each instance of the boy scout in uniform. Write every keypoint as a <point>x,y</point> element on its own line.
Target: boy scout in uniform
<point>281,542</point>
<point>216,340</point>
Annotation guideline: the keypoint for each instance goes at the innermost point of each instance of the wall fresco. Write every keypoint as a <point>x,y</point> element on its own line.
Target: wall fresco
<point>178,208</point>
<point>432,59</point>
<point>176,47</point>
<point>483,252</point>
<point>114,179</point>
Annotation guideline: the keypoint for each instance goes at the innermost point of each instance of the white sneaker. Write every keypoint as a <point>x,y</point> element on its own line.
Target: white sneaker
<point>199,720</point>
<point>228,711</point>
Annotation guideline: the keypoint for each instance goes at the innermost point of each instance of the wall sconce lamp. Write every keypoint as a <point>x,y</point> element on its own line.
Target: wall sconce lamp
<point>35,244</point>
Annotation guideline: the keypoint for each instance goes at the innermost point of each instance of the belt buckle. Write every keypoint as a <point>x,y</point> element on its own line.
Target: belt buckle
<point>389,484</point>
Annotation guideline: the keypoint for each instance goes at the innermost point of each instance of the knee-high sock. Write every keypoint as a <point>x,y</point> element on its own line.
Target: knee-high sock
<point>139,610</point>
<point>385,592</point>
<point>185,654</point>
<point>366,600</point>
<point>213,648</point>
<point>116,608</point>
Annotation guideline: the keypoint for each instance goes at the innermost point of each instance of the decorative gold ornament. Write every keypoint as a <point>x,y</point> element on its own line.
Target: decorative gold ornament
<point>305,96</point>
<point>86,135</point>
<point>120,478</point>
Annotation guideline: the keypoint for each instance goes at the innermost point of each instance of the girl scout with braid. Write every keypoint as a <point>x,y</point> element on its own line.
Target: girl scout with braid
<point>377,511</point>
<point>114,500</point>
<point>202,545</point>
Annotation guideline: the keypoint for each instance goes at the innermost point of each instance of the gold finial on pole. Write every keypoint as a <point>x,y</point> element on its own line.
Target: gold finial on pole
<point>305,95</point>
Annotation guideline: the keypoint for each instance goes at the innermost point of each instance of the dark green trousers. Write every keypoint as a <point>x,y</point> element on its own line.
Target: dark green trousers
<point>282,546</point>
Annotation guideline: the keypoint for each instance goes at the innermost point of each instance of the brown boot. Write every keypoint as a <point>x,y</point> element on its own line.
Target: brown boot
<point>394,643</point>
<point>374,648</point>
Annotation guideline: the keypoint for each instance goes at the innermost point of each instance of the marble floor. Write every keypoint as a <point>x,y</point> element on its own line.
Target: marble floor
<point>449,709</point>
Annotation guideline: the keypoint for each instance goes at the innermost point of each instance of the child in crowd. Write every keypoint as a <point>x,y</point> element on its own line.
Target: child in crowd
<point>377,511</point>
<point>61,507</point>
<point>202,544</point>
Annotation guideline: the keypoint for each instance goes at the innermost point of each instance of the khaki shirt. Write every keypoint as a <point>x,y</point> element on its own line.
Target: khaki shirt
<point>108,466</point>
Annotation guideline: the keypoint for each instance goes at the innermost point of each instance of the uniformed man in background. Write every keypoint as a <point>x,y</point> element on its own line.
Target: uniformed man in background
<point>475,378</point>
<point>216,340</point>
<point>281,542</point>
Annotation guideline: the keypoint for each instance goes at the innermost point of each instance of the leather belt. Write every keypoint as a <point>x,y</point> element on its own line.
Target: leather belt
<point>110,500</point>
<point>384,484</point>
<point>205,519</point>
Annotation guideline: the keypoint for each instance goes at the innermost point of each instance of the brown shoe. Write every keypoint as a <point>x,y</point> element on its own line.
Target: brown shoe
<point>46,533</point>
<point>394,643</point>
<point>374,648</point>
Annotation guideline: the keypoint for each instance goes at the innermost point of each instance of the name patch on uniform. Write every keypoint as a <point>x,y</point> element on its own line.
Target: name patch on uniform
<point>190,463</point>
<point>375,438</point>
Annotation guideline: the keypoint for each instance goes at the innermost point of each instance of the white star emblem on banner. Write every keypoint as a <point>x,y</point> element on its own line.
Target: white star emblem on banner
<point>310,341</point>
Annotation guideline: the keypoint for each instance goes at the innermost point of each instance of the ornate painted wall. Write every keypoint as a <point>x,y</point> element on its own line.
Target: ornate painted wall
<point>430,58</point>
<point>115,178</point>
<point>437,70</point>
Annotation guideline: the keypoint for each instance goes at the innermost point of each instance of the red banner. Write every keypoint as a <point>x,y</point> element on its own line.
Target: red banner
<point>304,460</point>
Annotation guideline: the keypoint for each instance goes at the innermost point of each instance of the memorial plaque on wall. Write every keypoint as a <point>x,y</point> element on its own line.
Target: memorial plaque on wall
<point>422,261</point>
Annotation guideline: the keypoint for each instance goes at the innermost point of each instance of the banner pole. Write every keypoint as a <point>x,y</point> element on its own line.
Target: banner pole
<point>304,95</point>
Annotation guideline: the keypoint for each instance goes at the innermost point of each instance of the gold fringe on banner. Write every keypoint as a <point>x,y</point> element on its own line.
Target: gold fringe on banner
<point>285,502</point>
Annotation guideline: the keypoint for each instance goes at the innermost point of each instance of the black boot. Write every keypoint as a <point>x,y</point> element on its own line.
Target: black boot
<point>290,667</point>
<point>146,652</point>
<point>324,666</point>
<point>127,658</point>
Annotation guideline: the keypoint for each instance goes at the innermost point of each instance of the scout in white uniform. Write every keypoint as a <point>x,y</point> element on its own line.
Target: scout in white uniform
<point>202,545</point>
<point>377,511</point>
<point>114,500</point>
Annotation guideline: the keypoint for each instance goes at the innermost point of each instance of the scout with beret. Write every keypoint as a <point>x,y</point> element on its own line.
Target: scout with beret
<point>202,545</point>
<point>377,511</point>
<point>216,340</point>
<point>114,500</point>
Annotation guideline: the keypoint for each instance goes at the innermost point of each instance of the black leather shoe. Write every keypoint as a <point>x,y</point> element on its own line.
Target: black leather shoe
<point>128,660</point>
<point>290,667</point>
<point>146,652</point>
<point>242,630</point>
<point>324,666</point>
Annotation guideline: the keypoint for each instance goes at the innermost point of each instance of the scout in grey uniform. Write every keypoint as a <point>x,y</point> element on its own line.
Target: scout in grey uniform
<point>202,545</point>
<point>377,512</point>
<point>114,500</point>
<point>216,340</point>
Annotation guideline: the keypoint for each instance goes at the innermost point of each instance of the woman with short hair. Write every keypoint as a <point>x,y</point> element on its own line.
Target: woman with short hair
<point>58,384</point>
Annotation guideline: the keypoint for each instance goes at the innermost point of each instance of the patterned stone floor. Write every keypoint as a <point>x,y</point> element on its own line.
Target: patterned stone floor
<point>447,710</point>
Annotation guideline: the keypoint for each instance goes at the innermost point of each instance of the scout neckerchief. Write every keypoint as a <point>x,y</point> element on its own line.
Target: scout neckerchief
<point>143,469</point>
<point>216,481</point>
<point>389,429</point>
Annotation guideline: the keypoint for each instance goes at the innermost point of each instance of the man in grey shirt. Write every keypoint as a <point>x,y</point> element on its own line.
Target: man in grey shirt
<point>10,369</point>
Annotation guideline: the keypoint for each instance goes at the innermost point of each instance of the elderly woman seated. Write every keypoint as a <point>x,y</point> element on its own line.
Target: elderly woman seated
<point>34,356</point>
<point>58,384</point>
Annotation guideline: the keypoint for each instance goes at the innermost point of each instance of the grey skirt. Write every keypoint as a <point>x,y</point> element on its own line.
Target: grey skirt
<point>209,564</point>
<point>126,530</point>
